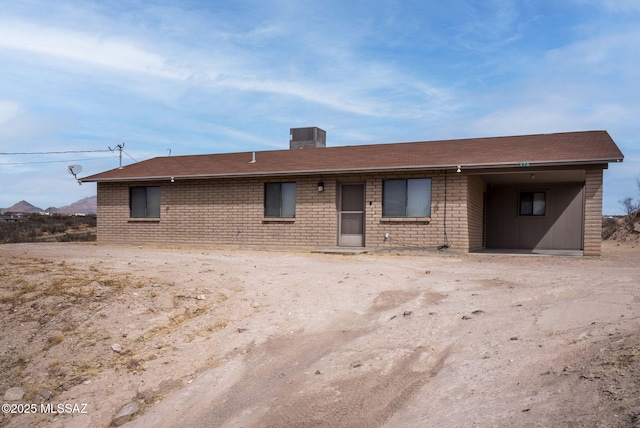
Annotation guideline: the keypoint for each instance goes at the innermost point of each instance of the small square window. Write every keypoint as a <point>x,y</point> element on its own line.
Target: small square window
<point>406,197</point>
<point>280,200</point>
<point>144,202</point>
<point>533,203</point>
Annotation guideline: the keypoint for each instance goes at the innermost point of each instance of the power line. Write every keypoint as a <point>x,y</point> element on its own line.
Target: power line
<point>55,153</point>
<point>129,156</point>
<point>119,147</point>
<point>57,161</point>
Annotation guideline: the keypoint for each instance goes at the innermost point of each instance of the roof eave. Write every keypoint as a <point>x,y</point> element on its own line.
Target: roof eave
<point>357,170</point>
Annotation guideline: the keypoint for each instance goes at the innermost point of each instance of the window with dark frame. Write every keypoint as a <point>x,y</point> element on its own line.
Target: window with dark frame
<point>144,202</point>
<point>406,197</point>
<point>280,200</point>
<point>533,204</point>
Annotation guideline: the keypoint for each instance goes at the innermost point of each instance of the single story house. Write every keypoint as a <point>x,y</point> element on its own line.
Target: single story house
<point>525,192</point>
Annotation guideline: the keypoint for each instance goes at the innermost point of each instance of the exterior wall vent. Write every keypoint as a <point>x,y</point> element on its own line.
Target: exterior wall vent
<point>307,138</point>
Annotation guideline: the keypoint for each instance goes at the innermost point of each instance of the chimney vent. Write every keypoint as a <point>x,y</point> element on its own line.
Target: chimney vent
<point>307,138</point>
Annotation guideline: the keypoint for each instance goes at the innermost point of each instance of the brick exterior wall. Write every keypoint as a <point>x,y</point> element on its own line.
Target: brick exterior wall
<point>231,211</point>
<point>593,213</point>
<point>476,188</point>
<point>218,212</point>
<point>419,233</point>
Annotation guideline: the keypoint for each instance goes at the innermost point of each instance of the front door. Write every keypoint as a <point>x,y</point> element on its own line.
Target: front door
<point>351,215</point>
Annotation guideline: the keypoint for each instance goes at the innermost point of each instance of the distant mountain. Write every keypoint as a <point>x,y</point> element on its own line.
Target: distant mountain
<point>83,206</point>
<point>87,205</point>
<point>23,207</point>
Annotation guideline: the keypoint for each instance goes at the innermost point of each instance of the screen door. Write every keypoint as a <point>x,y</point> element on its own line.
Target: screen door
<point>351,217</point>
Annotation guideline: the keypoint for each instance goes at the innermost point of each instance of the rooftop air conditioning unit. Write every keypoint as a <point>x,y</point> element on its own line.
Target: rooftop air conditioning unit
<point>307,138</point>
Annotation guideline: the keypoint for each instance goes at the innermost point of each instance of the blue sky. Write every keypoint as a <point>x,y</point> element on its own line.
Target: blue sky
<point>225,76</point>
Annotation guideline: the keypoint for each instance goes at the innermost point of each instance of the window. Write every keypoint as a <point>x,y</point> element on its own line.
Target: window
<point>406,198</point>
<point>280,200</point>
<point>533,203</point>
<point>144,202</point>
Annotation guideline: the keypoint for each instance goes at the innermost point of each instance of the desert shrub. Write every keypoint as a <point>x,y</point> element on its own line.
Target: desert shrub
<point>78,237</point>
<point>631,208</point>
<point>609,226</point>
<point>40,225</point>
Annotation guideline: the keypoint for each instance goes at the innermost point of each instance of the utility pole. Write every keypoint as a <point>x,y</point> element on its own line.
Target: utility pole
<point>119,147</point>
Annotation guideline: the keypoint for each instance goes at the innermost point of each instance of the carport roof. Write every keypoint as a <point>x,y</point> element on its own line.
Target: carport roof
<point>560,149</point>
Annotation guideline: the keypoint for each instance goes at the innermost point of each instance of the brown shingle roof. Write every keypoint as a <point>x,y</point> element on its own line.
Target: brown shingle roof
<point>590,147</point>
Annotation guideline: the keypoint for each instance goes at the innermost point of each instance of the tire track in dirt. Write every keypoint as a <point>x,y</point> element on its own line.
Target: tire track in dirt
<point>280,386</point>
<point>272,370</point>
<point>366,400</point>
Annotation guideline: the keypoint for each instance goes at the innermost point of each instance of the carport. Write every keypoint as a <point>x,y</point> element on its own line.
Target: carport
<point>535,211</point>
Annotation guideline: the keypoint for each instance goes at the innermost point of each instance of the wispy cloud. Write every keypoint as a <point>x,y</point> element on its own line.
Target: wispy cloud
<point>84,48</point>
<point>122,55</point>
<point>19,124</point>
<point>8,110</point>
<point>488,25</point>
<point>614,5</point>
<point>249,137</point>
<point>601,54</point>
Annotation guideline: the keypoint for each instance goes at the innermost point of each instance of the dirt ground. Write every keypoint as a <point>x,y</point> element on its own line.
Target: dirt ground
<point>256,338</point>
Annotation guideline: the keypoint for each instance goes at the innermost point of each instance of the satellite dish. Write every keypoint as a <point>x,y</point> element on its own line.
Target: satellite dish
<point>75,170</point>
